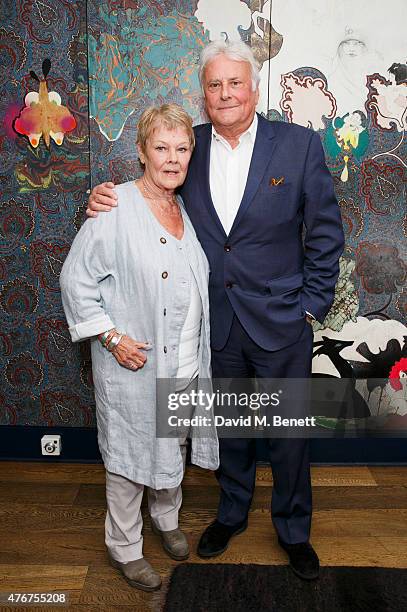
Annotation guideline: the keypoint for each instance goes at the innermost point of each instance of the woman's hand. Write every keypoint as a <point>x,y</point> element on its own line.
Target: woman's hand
<point>129,355</point>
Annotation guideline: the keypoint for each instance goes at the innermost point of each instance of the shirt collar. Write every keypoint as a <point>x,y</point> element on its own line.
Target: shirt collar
<point>249,133</point>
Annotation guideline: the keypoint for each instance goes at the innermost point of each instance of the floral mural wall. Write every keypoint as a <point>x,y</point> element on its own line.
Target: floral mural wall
<point>44,175</point>
<point>337,68</point>
<point>342,71</point>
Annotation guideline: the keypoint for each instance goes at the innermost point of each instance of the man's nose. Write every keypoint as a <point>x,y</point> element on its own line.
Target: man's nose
<point>224,92</point>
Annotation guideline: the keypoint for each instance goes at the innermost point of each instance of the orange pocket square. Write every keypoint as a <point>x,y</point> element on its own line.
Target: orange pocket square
<point>274,182</point>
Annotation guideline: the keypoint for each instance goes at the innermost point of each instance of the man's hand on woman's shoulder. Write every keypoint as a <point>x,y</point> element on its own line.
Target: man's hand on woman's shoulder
<point>102,199</point>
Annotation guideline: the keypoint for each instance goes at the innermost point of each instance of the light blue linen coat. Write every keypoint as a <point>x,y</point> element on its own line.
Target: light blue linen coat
<point>113,277</point>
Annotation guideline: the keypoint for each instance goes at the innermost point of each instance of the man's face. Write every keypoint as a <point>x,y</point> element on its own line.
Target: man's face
<point>229,98</point>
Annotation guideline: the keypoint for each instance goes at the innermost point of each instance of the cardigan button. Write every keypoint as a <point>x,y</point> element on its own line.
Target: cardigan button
<point>227,248</point>
<point>229,285</point>
<point>164,274</point>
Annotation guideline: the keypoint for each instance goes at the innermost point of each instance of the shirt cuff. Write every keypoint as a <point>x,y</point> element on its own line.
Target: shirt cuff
<point>93,327</point>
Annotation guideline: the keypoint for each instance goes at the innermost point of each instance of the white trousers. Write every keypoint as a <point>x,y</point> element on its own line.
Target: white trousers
<point>124,521</point>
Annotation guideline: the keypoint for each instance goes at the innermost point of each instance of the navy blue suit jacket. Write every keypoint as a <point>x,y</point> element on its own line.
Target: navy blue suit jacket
<point>281,257</point>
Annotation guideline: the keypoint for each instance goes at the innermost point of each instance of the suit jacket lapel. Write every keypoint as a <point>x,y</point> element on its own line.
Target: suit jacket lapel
<point>202,152</point>
<point>262,152</point>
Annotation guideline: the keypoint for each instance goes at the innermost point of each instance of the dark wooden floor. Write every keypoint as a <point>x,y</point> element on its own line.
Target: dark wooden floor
<point>52,528</point>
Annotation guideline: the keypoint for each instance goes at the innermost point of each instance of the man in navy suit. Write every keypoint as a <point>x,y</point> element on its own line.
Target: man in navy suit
<point>253,187</point>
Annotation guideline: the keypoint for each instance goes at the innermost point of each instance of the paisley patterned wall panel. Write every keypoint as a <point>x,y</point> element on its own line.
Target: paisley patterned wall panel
<point>44,379</point>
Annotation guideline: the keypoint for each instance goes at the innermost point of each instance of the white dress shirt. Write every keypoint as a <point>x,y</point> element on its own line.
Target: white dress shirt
<point>228,172</point>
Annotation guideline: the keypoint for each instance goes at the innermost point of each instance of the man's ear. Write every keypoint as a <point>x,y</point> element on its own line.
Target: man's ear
<point>141,155</point>
<point>257,95</point>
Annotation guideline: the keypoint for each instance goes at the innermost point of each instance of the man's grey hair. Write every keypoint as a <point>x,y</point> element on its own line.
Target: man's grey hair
<point>235,50</point>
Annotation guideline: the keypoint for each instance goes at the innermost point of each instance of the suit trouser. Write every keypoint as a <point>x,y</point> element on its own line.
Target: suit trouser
<point>124,520</point>
<point>292,495</point>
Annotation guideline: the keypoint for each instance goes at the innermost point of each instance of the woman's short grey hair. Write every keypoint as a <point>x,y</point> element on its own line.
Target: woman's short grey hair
<point>235,50</point>
<point>172,116</point>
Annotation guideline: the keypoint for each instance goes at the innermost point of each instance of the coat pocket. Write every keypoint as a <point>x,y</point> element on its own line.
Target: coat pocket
<point>275,190</point>
<point>285,284</point>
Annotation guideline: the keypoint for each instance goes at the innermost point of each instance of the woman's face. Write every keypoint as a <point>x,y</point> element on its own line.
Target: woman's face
<point>166,157</point>
<point>351,48</point>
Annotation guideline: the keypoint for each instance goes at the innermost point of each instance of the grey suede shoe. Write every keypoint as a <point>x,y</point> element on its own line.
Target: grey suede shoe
<point>139,574</point>
<point>174,543</point>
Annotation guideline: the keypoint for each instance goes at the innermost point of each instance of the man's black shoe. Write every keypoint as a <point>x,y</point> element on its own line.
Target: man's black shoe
<point>215,539</point>
<point>303,559</point>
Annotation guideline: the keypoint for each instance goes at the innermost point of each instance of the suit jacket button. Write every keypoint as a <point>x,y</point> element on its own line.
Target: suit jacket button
<point>227,248</point>
<point>164,274</point>
<point>229,285</point>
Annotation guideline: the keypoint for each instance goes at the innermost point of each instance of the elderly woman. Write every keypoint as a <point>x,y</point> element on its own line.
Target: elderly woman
<point>135,283</point>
